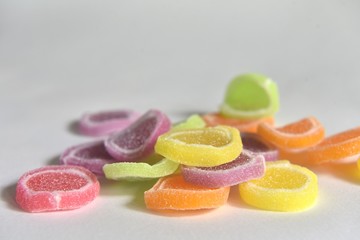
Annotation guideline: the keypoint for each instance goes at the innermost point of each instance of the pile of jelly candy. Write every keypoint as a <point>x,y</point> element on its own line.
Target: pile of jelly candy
<point>198,160</point>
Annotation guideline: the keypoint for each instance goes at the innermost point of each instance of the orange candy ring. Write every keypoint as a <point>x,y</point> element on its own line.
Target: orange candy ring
<point>173,193</point>
<point>301,134</point>
<point>215,119</point>
<point>341,147</point>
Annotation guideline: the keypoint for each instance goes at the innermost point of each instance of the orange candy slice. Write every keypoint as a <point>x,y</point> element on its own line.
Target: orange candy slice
<point>301,134</point>
<point>344,147</point>
<point>173,193</point>
<point>215,119</point>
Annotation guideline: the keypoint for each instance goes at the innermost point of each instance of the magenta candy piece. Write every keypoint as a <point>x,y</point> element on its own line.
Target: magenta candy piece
<point>244,168</point>
<point>55,188</point>
<point>256,145</point>
<point>103,123</point>
<point>137,141</point>
<point>92,156</point>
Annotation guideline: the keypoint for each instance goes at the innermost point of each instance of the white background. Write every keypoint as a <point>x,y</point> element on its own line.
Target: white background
<point>59,59</point>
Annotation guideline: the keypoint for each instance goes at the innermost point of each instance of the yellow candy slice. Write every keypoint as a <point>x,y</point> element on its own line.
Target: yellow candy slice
<point>285,187</point>
<point>206,147</point>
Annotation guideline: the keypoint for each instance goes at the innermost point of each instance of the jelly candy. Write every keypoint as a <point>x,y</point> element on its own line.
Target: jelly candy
<point>173,193</point>
<point>194,121</point>
<point>303,133</point>
<point>215,119</point>
<point>250,96</point>
<point>285,187</point>
<point>140,170</point>
<point>253,143</point>
<point>205,147</point>
<point>244,168</point>
<point>137,141</point>
<point>105,122</point>
<point>55,188</point>
<point>341,147</point>
<point>92,156</point>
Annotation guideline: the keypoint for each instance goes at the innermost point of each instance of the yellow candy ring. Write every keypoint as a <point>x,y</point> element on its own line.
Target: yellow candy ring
<point>206,147</point>
<point>285,187</point>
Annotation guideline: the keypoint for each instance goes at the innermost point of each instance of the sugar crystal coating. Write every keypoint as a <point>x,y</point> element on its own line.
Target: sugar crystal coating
<point>284,187</point>
<point>105,122</point>
<point>257,146</point>
<point>215,119</point>
<point>250,96</point>
<point>140,170</point>
<point>205,147</point>
<point>303,133</point>
<point>244,168</point>
<point>55,188</point>
<point>174,193</point>
<point>340,147</point>
<point>92,156</point>
<point>138,140</point>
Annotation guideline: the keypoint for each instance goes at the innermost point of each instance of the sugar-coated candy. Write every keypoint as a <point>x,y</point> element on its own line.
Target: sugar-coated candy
<point>105,122</point>
<point>206,147</point>
<point>284,187</point>
<point>55,188</point>
<point>341,147</point>
<point>139,170</point>
<point>250,96</point>
<point>300,134</point>
<point>244,168</point>
<point>215,119</point>
<point>92,156</point>
<point>194,121</point>
<point>253,143</point>
<point>173,193</point>
<point>137,141</point>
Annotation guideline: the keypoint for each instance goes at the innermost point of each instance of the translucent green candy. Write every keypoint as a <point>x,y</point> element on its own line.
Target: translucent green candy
<point>250,96</point>
<point>194,121</point>
<point>133,171</point>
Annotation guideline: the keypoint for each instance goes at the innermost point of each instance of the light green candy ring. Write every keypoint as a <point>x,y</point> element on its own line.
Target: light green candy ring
<point>134,171</point>
<point>250,96</point>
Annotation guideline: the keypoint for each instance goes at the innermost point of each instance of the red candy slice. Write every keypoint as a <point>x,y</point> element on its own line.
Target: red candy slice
<point>92,156</point>
<point>55,188</point>
<point>138,140</point>
<point>102,123</point>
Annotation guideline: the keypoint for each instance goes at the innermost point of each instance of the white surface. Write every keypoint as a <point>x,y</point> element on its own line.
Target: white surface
<point>59,59</point>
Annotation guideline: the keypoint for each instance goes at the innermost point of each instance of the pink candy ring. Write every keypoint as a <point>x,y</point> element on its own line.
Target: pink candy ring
<point>244,168</point>
<point>137,141</point>
<point>256,145</point>
<point>103,123</point>
<point>56,188</point>
<point>92,156</point>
